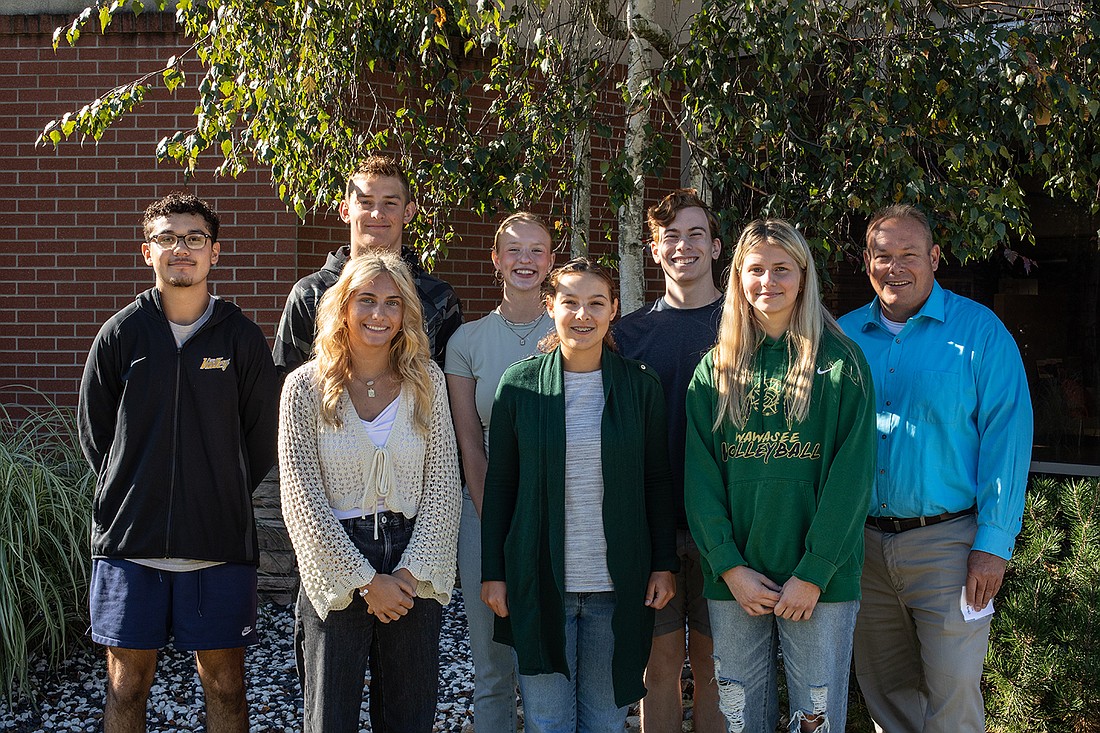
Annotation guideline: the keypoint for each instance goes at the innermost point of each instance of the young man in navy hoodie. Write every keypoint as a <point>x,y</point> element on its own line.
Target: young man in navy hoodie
<point>177,417</point>
<point>671,335</point>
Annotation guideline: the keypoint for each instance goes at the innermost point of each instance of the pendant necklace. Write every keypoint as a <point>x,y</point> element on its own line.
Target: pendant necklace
<point>370,383</point>
<point>515,328</point>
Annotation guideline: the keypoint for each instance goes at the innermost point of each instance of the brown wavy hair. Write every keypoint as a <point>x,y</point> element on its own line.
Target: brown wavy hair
<point>661,214</point>
<point>577,265</point>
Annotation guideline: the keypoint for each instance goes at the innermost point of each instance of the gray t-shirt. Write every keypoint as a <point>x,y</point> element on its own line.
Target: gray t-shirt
<point>481,350</point>
<point>585,543</point>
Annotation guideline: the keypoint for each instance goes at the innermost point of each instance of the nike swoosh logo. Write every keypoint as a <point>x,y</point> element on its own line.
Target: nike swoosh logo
<point>246,631</point>
<point>826,371</point>
<point>140,358</point>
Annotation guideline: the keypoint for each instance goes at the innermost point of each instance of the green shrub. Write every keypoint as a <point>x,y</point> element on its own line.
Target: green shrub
<point>45,510</point>
<point>1042,674</point>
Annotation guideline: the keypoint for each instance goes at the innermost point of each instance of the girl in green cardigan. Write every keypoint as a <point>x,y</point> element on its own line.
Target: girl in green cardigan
<point>780,457</point>
<point>578,535</point>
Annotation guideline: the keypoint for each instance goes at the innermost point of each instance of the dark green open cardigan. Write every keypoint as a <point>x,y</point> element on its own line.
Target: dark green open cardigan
<point>523,514</point>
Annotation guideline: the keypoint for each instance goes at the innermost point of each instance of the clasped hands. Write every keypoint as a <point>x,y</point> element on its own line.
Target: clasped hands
<point>759,595</point>
<point>389,597</point>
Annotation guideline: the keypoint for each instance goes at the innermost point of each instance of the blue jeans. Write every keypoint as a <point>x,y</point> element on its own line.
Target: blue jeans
<point>584,703</point>
<point>494,663</point>
<point>817,656</point>
<point>403,655</point>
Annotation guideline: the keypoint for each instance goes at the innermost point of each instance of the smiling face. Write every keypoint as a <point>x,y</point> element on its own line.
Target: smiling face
<point>582,308</point>
<point>179,266</point>
<point>377,210</point>
<point>374,314</point>
<point>523,255</point>
<point>771,282</point>
<point>685,249</point>
<point>901,263</point>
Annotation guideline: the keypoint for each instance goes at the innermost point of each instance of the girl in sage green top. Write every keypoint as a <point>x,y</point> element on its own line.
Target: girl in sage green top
<point>780,457</point>
<point>477,354</point>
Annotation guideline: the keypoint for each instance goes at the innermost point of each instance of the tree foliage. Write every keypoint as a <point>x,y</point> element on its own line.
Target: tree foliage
<point>309,88</point>
<point>816,111</point>
<point>822,112</point>
<point>1043,669</point>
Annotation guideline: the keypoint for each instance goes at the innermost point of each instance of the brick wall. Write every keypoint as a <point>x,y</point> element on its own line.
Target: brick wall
<point>70,219</point>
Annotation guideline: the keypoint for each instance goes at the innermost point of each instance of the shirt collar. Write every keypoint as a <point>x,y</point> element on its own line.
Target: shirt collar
<point>932,308</point>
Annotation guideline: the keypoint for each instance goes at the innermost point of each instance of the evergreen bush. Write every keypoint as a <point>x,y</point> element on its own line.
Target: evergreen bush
<point>45,507</point>
<point>1042,674</point>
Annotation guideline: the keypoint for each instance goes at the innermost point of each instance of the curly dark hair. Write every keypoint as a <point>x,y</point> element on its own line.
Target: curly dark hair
<point>180,202</point>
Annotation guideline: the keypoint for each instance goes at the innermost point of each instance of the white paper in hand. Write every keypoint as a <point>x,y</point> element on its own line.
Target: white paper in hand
<point>969,612</point>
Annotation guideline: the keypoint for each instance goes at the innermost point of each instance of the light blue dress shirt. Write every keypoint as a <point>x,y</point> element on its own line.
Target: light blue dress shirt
<point>954,415</point>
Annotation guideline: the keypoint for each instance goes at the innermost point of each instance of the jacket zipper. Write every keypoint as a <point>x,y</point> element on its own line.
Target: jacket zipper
<point>175,426</point>
<point>175,444</point>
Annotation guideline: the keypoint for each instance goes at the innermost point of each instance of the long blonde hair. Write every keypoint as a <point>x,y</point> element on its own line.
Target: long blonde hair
<point>409,351</point>
<point>739,334</point>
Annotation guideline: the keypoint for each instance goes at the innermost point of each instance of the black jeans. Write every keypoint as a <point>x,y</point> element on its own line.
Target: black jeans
<point>403,655</point>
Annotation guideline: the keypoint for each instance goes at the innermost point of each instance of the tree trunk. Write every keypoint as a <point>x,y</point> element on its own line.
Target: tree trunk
<point>582,190</point>
<point>631,246</point>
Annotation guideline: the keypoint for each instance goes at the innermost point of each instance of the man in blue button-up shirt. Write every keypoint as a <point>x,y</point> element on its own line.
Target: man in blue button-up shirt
<point>954,444</point>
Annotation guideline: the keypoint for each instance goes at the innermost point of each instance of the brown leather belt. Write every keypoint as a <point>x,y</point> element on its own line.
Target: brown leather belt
<point>904,524</point>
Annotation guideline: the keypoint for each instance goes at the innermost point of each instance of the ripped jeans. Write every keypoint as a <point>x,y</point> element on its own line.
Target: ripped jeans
<point>817,656</point>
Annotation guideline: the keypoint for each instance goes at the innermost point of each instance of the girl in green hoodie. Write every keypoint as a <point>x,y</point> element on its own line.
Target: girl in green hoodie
<point>780,461</point>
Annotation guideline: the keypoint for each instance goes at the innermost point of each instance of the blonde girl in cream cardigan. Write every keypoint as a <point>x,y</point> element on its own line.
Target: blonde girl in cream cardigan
<point>371,499</point>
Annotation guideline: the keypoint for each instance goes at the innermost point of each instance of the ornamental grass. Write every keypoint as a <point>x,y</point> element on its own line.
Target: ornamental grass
<point>45,507</point>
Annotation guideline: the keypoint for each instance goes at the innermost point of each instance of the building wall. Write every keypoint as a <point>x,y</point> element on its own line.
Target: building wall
<point>70,219</point>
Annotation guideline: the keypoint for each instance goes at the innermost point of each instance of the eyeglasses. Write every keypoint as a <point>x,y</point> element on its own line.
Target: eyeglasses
<point>168,240</point>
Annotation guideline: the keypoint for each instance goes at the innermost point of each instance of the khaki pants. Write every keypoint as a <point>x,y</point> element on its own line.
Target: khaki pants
<point>918,663</point>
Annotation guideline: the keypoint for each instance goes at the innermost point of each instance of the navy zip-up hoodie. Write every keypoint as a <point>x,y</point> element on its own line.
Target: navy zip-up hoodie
<point>178,437</point>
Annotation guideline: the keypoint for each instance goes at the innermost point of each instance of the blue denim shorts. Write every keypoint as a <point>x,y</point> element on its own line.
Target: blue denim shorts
<point>138,607</point>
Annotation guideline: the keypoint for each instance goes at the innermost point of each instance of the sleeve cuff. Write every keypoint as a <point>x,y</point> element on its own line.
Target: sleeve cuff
<point>722,558</point>
<point>816,570</point>
<point>994,541</point>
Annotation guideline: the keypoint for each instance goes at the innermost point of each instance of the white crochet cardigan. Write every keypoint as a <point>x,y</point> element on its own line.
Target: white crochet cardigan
<point>322,467</point>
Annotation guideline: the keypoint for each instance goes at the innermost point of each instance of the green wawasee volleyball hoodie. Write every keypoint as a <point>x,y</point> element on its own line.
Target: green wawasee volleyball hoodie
<point>784,499</point>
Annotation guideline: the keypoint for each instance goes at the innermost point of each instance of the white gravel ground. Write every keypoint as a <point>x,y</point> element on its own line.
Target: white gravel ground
<point>71,698</point>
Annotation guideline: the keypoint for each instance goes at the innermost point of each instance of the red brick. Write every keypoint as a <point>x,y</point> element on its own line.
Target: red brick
<point>37,374</point>
<point>36,288</point>
<point>49,241</point>
<point>52,329</point>
<point>88,331</point>
<point>41,94</point>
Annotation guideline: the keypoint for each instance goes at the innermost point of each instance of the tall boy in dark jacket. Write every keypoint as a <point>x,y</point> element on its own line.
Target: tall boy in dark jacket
<point>177,416</point>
